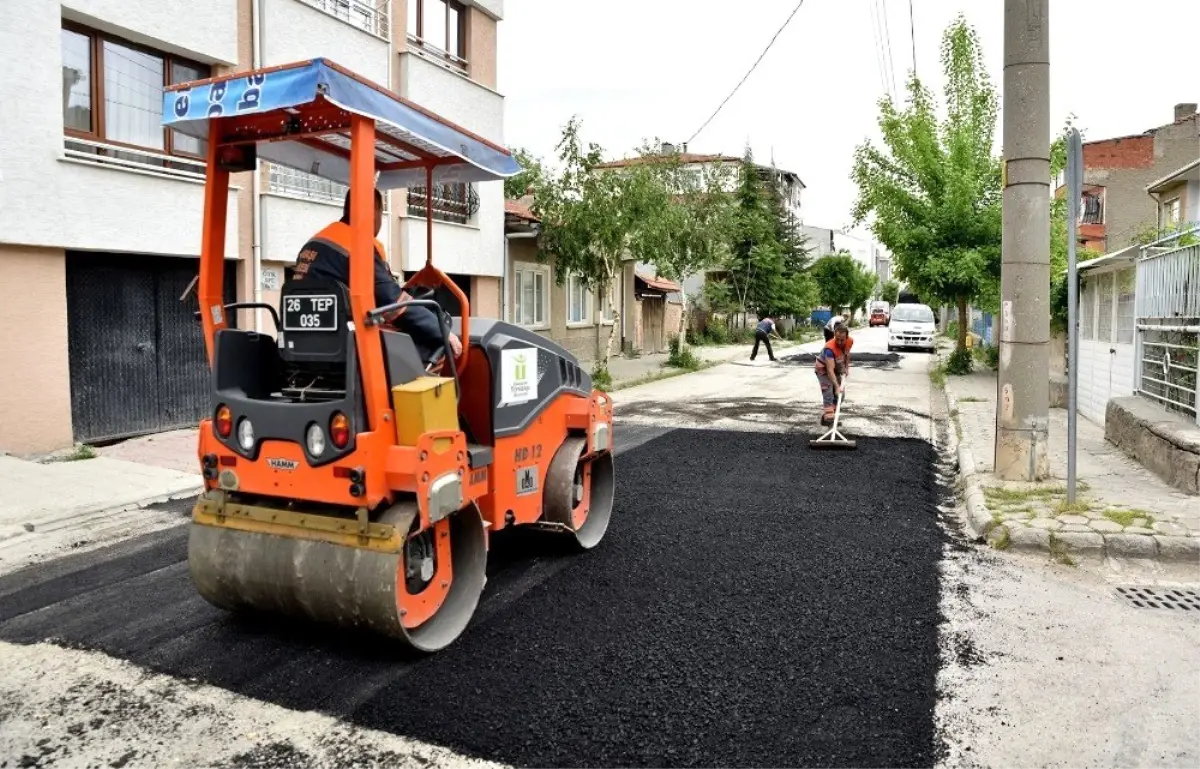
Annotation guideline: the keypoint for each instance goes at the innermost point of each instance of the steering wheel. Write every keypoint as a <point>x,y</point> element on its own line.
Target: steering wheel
<point>426,281</point>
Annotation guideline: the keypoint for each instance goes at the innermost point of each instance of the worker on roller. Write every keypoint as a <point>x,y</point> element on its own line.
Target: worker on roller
<point>833,367</point>
<point>327,255</point>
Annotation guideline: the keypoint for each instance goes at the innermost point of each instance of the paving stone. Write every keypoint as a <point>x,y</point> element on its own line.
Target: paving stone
<point>1131,545</point>
<point>1026,538</point>
<point>1077,519</point>
<point>1105,526</point>
<point>1139,523</point>
<point>1077,527</point>
<point>1080,541</point>
<point>1138,529</point>
<point>1170,529</point>
<point>1178,548</point>
<point>1045,524</point>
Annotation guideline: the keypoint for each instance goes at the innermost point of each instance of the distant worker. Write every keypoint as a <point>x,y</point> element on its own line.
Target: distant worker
<point>832,325</point>
<point>762,335</point>
<point>327,256</point>
<point>833,367</point>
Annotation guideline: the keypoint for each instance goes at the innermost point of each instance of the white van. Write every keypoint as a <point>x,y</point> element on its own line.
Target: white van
<point>912,325</point>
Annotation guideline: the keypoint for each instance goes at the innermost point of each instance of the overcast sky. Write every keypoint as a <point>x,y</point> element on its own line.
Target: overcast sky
<point>634,69</point>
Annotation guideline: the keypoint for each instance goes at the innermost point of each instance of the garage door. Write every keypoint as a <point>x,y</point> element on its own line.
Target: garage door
<point>136,352</point>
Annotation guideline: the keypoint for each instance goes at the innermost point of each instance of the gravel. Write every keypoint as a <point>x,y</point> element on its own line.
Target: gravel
<point>755,603</point>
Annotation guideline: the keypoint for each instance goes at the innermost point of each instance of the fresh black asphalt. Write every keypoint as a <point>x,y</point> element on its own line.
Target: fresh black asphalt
<point>755,603</point>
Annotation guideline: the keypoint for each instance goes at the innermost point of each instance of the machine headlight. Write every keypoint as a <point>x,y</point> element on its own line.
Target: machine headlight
<point>246,434</point>
<point>315,437</point>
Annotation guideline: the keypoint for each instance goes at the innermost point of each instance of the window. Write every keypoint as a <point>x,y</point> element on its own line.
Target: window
<point>579,301</point>
<point>112,95</point>
<point>1104,310</point>
<point>531,295</point>
<point>439,28</point>
<point>1091,209</point>
<point>1126,285</point>
<point>1170,213</point>
<point>451,202</point>
<point>1087,308</point>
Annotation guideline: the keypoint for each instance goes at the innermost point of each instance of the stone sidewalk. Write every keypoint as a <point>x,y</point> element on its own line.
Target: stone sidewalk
<point>1122,509</point>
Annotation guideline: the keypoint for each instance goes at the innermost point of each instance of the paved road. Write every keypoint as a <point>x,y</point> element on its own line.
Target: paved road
<point>756,603</point>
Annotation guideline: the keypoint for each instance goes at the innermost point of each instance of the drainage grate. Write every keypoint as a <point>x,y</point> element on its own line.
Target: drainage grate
<point>1183,598</point>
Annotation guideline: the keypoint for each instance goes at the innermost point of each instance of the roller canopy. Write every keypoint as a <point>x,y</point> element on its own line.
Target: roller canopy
<point>311,102</point>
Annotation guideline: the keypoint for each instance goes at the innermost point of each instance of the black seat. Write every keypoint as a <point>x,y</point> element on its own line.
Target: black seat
<point>316,339</point>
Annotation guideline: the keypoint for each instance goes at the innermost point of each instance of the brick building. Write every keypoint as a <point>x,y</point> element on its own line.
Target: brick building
<point>1115,208</point>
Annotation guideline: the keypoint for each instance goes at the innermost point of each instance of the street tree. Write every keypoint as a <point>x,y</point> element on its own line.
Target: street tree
<point>532,174</point>
<point>933,190</point>
<point>593,219</point>
<point>890,292</point>
<point>842,283</point>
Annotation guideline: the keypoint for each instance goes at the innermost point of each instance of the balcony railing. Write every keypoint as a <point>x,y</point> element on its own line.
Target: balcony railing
<point>368,15</point>
<point>451,202</point>
<point>1091,209</point>
<point>433,53</point>
<point>132,158</point>
<point>1168,327</point>
<point>282,180</point>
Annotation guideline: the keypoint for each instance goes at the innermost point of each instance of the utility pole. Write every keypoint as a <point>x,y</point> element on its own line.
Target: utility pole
<point>1023,386</point>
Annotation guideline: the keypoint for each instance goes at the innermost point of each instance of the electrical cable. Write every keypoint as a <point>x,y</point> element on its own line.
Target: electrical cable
<point>748,73</point>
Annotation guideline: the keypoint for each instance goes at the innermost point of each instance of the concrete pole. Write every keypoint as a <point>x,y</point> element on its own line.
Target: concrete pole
<point>1023,396</point>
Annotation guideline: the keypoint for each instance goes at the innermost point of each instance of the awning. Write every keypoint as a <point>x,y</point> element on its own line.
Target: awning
<point>317,97</point>
<point>658,284</point>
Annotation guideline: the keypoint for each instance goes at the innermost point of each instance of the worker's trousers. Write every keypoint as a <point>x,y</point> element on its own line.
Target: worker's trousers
<point>762,337</point>
<point>828,394</point>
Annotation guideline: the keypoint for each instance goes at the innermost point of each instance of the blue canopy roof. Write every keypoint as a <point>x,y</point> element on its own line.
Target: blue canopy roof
<point>417,135</point>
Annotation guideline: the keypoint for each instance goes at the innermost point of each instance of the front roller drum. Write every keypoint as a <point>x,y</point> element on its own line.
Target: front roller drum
<point>423,593</point>
<point>579,492</point>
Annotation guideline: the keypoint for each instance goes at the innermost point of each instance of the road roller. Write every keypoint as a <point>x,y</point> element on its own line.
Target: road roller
<point>349,479</point>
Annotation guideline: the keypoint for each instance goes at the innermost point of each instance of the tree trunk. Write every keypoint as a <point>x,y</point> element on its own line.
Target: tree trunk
<point>616,319</point>
<point>683,316</point>
<point>962,324</point>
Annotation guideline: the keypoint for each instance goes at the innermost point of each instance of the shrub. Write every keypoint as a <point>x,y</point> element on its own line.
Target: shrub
<point>683,359</point>
<point>601,379</point>
<point>959,363</point>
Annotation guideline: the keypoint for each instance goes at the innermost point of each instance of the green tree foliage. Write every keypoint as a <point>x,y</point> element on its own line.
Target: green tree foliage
<point>890,292</point>
<point>766,271</point>
<point>841,282</point>
<point>593,219</point>
<point>532,174</point>
<point>934,189</point>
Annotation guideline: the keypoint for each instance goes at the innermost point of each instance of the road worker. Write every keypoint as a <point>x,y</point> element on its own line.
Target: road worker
<point>832,368</point>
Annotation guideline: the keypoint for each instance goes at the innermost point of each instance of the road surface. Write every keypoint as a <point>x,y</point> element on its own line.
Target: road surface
<point>755,603</point>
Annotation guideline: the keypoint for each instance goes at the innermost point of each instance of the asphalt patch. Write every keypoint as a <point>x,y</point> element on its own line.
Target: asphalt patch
<point>754,604</point>
<point>889,360</point>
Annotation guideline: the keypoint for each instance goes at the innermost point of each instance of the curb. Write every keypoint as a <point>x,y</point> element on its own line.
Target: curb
<point>128,503</point>
<point>982,527</point>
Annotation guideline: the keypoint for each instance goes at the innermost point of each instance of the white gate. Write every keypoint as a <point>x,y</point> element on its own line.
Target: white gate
<point>1168,328</point>
<point>1106,349</point>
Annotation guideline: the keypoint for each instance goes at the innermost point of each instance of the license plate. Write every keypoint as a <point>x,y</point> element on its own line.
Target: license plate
<point>310,312</point>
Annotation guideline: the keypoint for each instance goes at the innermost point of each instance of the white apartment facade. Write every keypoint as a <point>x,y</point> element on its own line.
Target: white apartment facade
<point>100,208</point>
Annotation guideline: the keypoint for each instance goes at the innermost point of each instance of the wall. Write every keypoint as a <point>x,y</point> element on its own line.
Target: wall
<point>585,342</point>
<point>1126,166</point>
<point>138,211</point>
<point>296,31</point>
<point>206,31</point>
<point>476,248</point>
<point>35,392</point>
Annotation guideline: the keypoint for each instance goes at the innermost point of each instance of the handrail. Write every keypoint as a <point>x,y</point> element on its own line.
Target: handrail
<point>376,317</point>
<point>251,306</point>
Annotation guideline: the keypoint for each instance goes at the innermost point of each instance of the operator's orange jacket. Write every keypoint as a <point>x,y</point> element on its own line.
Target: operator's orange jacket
<point>839,354</point>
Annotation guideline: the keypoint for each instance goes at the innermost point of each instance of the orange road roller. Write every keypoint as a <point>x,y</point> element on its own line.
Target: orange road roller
<point>349,478</point>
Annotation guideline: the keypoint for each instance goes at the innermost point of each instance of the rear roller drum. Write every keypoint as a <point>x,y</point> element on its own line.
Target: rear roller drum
<point>423,596</point>
<point>579,492</point>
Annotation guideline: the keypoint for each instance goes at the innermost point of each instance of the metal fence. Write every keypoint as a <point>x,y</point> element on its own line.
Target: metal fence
<point>1168,327</point>
<point>368,15</point>
<point>301,184</point>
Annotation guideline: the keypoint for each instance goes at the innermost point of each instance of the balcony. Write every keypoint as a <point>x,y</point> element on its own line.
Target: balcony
<point>1091,207</point>
<point>371,16</point>
<point>452,95</point>
<point>295,205</point>
<point>352,33</point>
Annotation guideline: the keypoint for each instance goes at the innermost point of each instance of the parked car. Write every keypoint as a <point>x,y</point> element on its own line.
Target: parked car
<point>912,325</point>
<point>879,317</point>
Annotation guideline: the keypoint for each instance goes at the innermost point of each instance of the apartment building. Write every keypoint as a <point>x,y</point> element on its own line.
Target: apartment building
<point>1115,210</point>
<point>100,207</point>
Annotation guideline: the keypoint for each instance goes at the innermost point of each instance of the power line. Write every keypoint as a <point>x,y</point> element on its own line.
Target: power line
<point>748,73</point>
<point>880,56</point>
<point>888,36</point>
